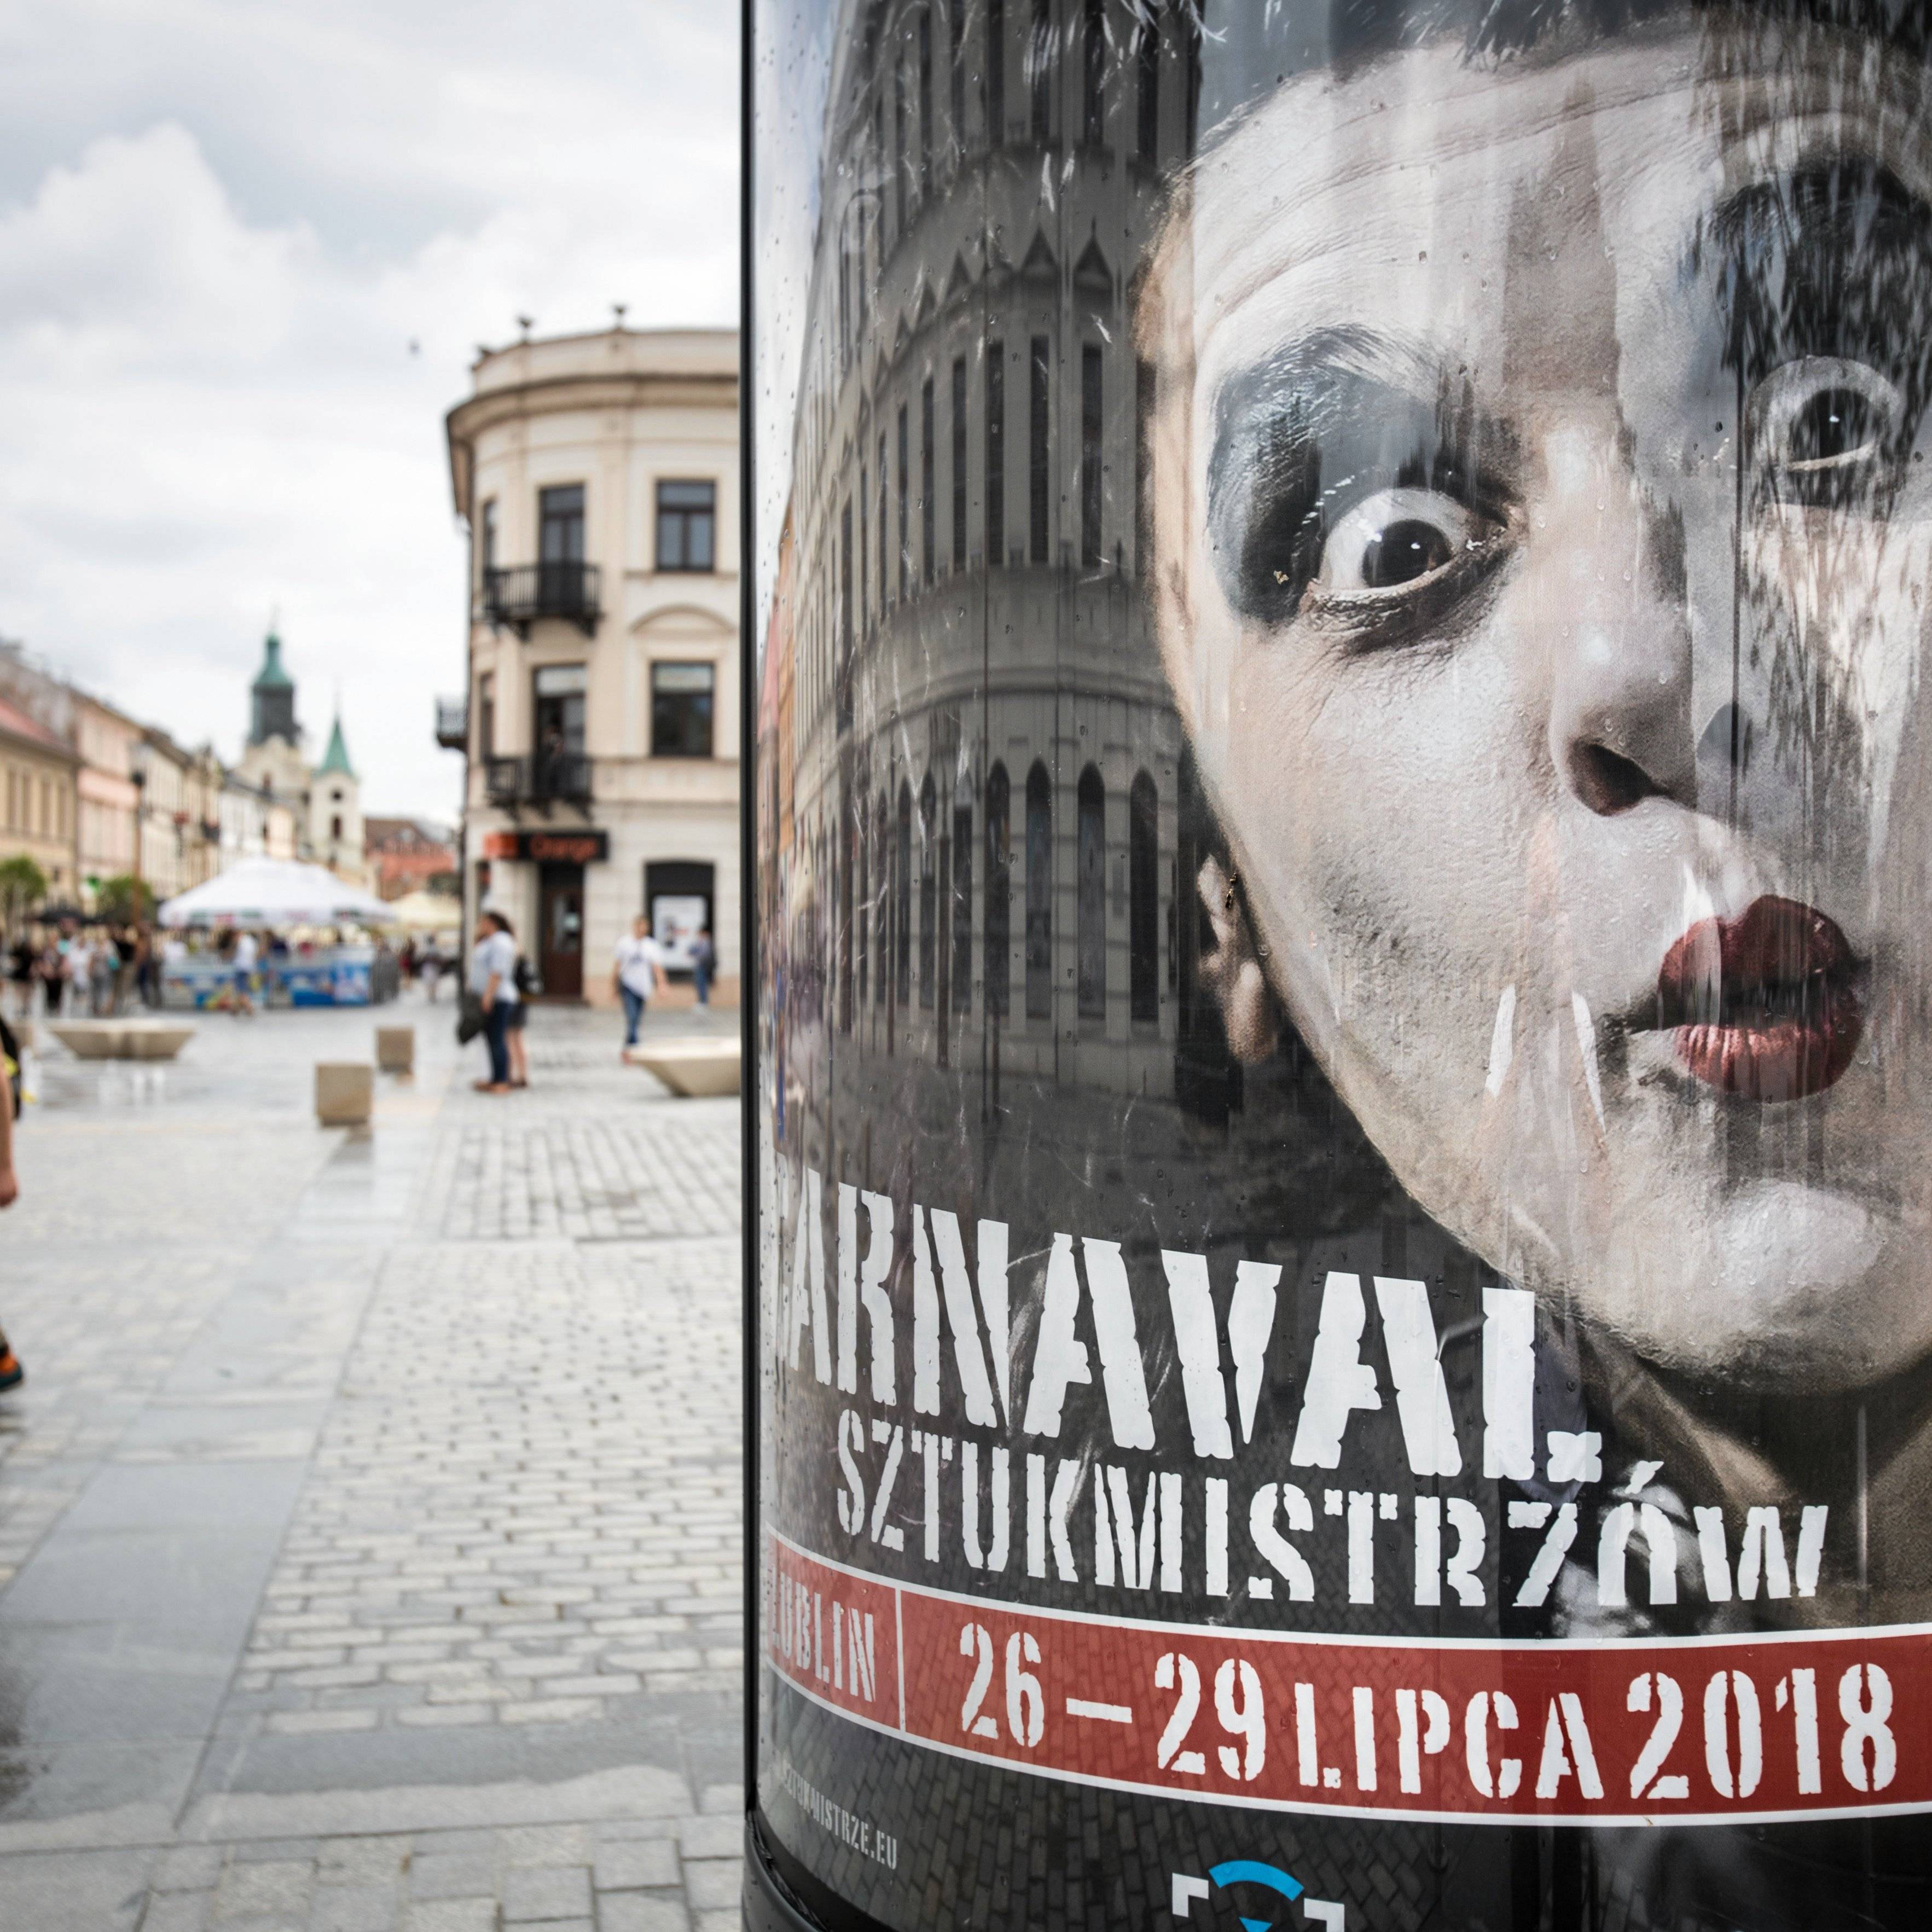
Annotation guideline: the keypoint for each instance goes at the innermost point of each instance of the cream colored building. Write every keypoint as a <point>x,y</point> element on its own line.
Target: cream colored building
<point>36,800</point>
<point>599,476</point>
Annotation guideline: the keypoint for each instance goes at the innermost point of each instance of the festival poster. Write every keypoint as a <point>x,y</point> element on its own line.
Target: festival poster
<point>1343,1185</point>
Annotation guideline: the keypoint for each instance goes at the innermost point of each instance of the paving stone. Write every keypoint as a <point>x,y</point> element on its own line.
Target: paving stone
<point>477,1914</point>
<point>710,1882</point>
<point>624,1867</point>
<point>543,1892</point>
<point>642,1912</point>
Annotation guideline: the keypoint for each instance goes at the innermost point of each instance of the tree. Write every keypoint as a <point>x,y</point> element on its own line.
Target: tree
<point>124,900</point>
<point>23,887</point>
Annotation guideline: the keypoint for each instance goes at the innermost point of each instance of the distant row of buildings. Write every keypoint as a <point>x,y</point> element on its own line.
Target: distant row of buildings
<point>92,795</point>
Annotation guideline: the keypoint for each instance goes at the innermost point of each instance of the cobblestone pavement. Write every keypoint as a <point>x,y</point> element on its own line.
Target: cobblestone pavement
<point>370,1523</point>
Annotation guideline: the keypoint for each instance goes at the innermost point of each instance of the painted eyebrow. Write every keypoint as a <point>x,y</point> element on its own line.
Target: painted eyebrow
<point>1308,376</point>
<point>1843,206</point>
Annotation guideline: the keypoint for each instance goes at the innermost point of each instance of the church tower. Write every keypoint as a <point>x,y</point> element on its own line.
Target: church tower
<point>272,758</point>
<point>335,811</point>
<point>272,699</point>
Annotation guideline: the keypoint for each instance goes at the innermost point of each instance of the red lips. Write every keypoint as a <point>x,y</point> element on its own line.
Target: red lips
<point>1764,1005</point>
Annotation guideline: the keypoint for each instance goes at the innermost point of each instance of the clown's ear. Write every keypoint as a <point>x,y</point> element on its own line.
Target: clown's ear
<point>1232,972</point>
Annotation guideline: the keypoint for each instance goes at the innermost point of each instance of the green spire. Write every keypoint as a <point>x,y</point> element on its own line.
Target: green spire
<point>335,760</point>
<point>272,677</point>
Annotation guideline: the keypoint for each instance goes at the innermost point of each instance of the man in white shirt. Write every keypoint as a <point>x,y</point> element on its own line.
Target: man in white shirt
<point>493,979</point>
<point>637,972</point>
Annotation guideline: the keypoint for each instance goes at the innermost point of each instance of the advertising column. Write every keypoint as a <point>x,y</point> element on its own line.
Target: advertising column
<point>1341,1146</point>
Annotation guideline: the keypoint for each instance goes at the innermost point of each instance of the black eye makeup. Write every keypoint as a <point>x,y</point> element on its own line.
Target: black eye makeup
<point>1344,476</point>
<point>1824,277</point>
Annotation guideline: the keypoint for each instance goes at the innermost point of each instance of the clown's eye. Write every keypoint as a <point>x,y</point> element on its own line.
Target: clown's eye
<point>1394,539</point>
<point>1826,429</point>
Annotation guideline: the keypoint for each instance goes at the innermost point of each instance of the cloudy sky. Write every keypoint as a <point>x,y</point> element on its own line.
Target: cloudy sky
<point>246,253</point>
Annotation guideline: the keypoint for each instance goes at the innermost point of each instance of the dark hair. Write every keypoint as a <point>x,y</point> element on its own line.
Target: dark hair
<point>504,925</point>
<point>1251,49</point>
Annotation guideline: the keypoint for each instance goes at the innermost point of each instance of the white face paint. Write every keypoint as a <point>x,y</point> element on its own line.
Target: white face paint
<point>1544,536</point>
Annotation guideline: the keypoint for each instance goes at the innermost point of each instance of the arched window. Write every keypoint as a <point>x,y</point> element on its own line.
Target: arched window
<point>1144,899</point>
<point>962,908</point>
<point>1040,895</point>
<point>882,900</point>
<point>929,910</point>
<point>902,902</point>
<point>999,893</point>
<point>1092,899</point>
<point>845,949</point>
<point>862,915</point>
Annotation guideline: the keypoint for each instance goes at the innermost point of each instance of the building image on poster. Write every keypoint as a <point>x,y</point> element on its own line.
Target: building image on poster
<point>1343,1090</point>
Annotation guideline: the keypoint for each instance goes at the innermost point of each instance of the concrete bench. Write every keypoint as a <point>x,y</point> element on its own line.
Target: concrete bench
<point>345,1092</point>
<point>121,1040</point>
<point>691,1069</point>
<point>396,1049</point>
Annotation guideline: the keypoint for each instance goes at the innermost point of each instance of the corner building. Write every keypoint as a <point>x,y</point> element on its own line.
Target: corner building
<point>987,795</point>
<point>598,477</point>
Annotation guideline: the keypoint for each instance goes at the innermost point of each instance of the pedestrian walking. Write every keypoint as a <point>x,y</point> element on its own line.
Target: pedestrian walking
<point>636,972</point>
<point>429,971</point>
<point>493,979</point>
<point>703,964</point>
<point>23,966</point>
<point>102,962</point>
<point>11,1374</point>
<point>247,951</point>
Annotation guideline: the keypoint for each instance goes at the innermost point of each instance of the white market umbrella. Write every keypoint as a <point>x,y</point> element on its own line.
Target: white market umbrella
<point>275,892</point>
<point>423,911</point>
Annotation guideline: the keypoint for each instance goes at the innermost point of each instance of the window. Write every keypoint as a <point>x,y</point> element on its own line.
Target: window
<point>1147,131</point>
<point>1091,933</point>
<point>929,505</point>
<point>882,522</point>
<point>681,705</point>
<point>882,899</point>
<point>558,691</point>
<point>996,454</point>
<point>905,526</point>
<point>865,543</point>
<point>898,146</point>
<point>996,72</point>
<point>560,524</point>
<point>335,829</point>
<point>1143,899</point>
<point>1093,79</point>
<point>1090,454</point>
<point>862,917</point>
<point>924,100</point>
<point>959,462</point>
<point>1039,480</point>
<point>845,580</point>
<point>929,948</point>
<point>486,540</point>
<point>1040,895</point>
<point>687,525</point>
<point>902,901</point>
<point>997,936</point>
<point>956,71</point>
<point>845,911</point>
<point>1143,425</point>
<point>1039,62</point>
<point>962,908</point>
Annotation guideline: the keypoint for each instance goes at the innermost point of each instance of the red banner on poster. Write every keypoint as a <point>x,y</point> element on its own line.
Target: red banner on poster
<point>1796,1724</point>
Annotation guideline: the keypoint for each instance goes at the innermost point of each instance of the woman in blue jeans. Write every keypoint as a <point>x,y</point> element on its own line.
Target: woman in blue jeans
<point>636,973</point>
<point>493,979</point>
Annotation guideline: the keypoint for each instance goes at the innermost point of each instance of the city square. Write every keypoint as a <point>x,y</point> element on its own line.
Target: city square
<point>369,1518</point>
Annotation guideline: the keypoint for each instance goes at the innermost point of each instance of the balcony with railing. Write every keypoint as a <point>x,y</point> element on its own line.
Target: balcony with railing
<point>544,779</point>
<point>517,597</point>
<point>452,724</point>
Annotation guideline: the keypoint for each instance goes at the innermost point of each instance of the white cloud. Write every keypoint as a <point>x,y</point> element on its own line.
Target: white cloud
<point>221,232</point>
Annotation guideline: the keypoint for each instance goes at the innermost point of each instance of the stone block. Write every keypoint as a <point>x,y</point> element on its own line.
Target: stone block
<point>396,1049</point>
<point>345,1092</point>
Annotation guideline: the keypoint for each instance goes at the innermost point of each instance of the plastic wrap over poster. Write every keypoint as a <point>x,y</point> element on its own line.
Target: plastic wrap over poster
<point>1344,1073</point>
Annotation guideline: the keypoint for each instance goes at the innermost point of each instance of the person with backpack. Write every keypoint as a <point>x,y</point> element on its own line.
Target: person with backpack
<point>11,1374</point>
